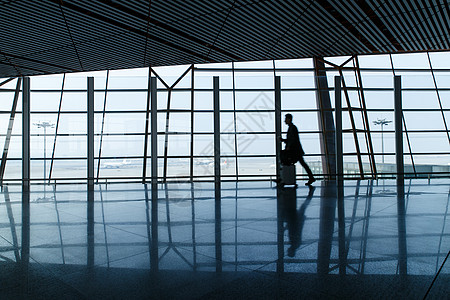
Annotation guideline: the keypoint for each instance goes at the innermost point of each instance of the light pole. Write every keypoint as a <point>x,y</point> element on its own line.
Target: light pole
<point>44,125</point>
<point>382,122</point>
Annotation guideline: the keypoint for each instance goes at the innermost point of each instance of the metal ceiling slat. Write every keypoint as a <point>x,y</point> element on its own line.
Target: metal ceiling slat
<point>114,34</point>
<point>358,23</point>
<point>410,25</point>
<point>423,23</point>
<point>372,29</point>
<point>312,22</point>
<point>441,24</point>
<point>335,29</point>
<point>433,22</point>
<point>380,30</point>
<point>390,17</point>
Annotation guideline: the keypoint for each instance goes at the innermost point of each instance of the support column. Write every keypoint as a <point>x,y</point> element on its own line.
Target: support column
<point>154,132</point>
<point>325,117</point>
<point>217,184</point>
<point>90,133</point>
<point>154,262</point>
<point>26,134</point>
<point>398,129</point>
<point>277,123</point>
<point>216,130</point>
<point>338,132</point>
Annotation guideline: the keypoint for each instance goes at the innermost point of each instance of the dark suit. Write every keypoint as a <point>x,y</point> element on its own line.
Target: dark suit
<point>294,152</point>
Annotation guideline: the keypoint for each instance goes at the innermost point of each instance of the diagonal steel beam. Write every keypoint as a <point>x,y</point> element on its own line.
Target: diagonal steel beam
<point>365,7</point>
<point>104,18</point>
<point>6,81</point>
<point>169,28</point>
<point>103,126</point>
<point>9,131</point>
<point>347,24</point>
<point>16,66</point>
<point>57,127</point>
<point>37,61</point>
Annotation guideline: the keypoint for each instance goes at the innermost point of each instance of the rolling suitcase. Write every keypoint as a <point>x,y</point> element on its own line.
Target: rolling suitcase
<point>288,175</point>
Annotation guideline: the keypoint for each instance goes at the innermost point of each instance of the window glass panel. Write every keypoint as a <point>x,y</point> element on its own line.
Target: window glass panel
<point>179,145</point>
<point>214,65</point>
<point>421,120</point>
<point>256,144</point>
<point>180,100</point>
<point>203,145</point>
<point>410,61</point>
<point>46,82</point>
<point>255,122</point>
<point>128,79</point>
<point>44,101</point>
<point>69,169</point>
<point>203,100</point>
<point>255,100</point>
<point>72,123</point>
<point>442,79</point>
<point>203,166</point>
<point>429,142</point>
<point>420,99</point>
<point>377,79</point>
<point>227,144</point>
<point>298,100</point>
<point>177,167</point>
<point>416,79</point>
<point>349,78</point>
<point>439,60</point>
<point>257,166</point>
<point>296,79</point>
<point>6,100</point>
<point>126,101</point>
<point>75,101</point>
<point>310,144</point>
<point>254,64</point>
<point>120,167</point>
<point>122,123</point>
<point>374,61</point>
<point>119,146</point>
<point>15,147</point>
<point>227,122</point>
<point>71,146</point>
<point>305,121</point>
<point>180,122</point>
<point>170,74</point>
<point>226,101</point>
<point>203,122</point>
<point>379,99</point>
<point>294,63</point>
<point>13,168</point>
<point>338,60</point>
<point>254,80</point>
<point>204,79</point>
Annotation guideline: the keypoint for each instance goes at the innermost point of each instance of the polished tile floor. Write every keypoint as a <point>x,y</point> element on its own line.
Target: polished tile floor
<point>370,239</point>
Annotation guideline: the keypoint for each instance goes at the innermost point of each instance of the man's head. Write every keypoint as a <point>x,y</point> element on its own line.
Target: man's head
<point>288,119</point>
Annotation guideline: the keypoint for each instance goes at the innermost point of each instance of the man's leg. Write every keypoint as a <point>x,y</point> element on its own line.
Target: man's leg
<point>307,169</point>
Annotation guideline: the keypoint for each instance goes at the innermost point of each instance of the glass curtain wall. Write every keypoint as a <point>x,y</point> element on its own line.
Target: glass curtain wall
<point>185,119</point>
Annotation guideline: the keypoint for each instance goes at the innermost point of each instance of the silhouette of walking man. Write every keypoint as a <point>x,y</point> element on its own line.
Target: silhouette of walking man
<point>293,151</point>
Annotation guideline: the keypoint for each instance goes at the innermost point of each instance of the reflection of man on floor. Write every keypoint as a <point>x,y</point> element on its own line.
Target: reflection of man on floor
<point>294,152</point>
<point>295,219</point>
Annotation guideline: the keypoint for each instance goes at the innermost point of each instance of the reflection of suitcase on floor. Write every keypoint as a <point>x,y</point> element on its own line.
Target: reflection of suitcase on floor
<point>288,175</point>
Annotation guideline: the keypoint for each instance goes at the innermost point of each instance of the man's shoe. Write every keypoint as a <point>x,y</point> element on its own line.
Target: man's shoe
<point>310,181</point>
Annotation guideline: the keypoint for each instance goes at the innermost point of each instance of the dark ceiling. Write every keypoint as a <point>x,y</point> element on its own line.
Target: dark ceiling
<point>55,36</point>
